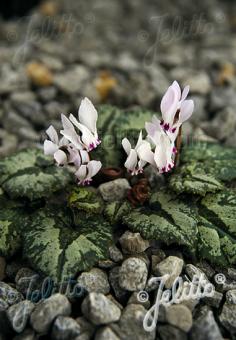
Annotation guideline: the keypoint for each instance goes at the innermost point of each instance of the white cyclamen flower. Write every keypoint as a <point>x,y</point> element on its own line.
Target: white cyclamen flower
<point>55,147</point>
<point>87,124</point>
<point>175,109</point>
<point>86,171</point>
<point>135,162</point>
<point>163,157</point>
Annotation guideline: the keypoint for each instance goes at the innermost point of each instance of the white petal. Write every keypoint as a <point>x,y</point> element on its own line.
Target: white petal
<point>177,89</point>
<point>132,160</point>
<point>186,110</point>
<point>145,154</point>
<point>93,168</point>
<point>67,125</point>
<point>140,140</point>
<point>74,120</point>
<point>81,173</point>
<point>63,141</point>
<point>49,147</point>
<point>88,138</point>
<point>72,136</point>
<point>60,157</point>
<point>185,93</point>
<point>52,134</point>
<point>126,145</point>
<point>151,129</point>
<point>169,105</point>
<point>88,115</point>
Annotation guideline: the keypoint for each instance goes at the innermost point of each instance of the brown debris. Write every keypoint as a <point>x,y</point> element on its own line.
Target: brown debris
<point>39,74</point>
<point>139,193</point>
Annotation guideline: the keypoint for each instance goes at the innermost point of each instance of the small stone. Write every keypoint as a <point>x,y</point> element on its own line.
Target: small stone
<point>10,295</point>
<point>231,273</point>
<point>106,264</point>
<point>114,190</point>
<point>199,83</point>
<point>228,317</point>
<point>39,74</point>
<point>215,300</point>
<point>47,94</point>
<point>205,327</point>
<point>179,316</point>
<point>130,325</point>
<point>2,268</point>
<point>95,280</point>
<point>106,333</point>
<point>133,274</point>
<point>99,309</point>
<point>65,328</point>
<point>120,293</point>
<point>231,296</point>
<point>115,254</point>
<point>27,281</point>
<point>12,269</point>
<point>71,81</point>
<point>133,243</point>
<point>222,97</point>
<point>19,314</point>
<point>192,271</point>
<point>222,126</point>
<point>170,332</point>
<point>172,266</point>
<point>87,329</point>
<point>47,310</point>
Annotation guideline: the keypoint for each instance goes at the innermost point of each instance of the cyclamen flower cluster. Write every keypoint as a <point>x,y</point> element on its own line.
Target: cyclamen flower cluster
<point>161,134</point>
<point>79,138</point>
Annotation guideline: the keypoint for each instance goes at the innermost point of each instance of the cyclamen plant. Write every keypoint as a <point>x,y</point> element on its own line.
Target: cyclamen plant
<point>161,134</point>
<point>79,137</point>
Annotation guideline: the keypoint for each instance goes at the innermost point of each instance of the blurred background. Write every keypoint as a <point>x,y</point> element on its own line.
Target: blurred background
<point>125,53</point>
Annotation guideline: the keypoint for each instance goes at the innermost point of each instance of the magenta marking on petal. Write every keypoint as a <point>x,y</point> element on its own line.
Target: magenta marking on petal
<point>166,126</point>
<point>173,130</point>
<point>174,150</point>
<point>162,122</point>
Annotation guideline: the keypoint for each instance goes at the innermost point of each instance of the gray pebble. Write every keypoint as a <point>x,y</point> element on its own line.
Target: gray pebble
<point>100,310</point>
<point>46,312</point>
<point>133,274</point>
<point>115,254</point>
<point>114,190</point>
<point>10,295</point>
<point>95,280</point>
<point>172,266</point>
<point>133,243</point>
<point>65,328</point>
<point>19,314</point>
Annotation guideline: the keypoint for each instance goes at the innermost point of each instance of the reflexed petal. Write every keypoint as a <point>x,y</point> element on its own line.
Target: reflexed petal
<point>186,110</point>
<point>52,134</point>
<point>185,93</point>
<point>81,173</point>
<point>169,105</point>
<point>73,138</point>
<point>151,129</point>
<point>140,140</point>
<point>175,86</point>
<point>132,160</point>
<point>88,115</point>
<point>145,154</point>
<point>126,145</point>
<point>93,168</point>
<point>67,125</point>
<point>63,141</point>
<point>60,157</point>
<point>49,147</point>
